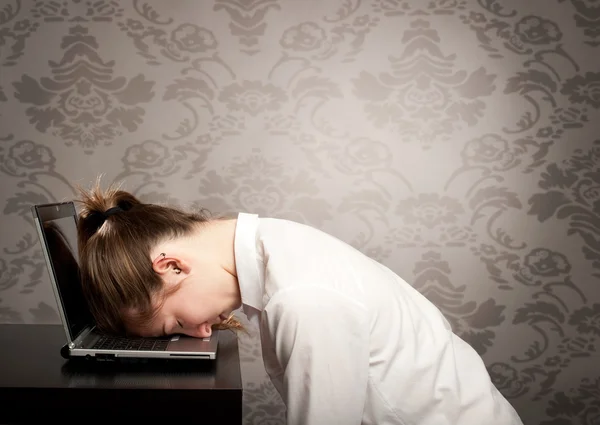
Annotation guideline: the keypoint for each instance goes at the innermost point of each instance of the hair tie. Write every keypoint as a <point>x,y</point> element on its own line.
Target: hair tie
<point>112,211</point>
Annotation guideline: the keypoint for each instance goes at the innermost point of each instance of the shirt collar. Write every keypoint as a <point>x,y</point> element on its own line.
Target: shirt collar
<point>247,260</point>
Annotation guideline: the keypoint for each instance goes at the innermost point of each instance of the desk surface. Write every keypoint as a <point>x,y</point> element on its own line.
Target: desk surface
<point>32,370</point>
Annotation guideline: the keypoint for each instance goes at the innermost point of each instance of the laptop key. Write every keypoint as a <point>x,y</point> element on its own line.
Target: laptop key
<point>160,345</point>
<point>147,345</point>
<point>134,345</point>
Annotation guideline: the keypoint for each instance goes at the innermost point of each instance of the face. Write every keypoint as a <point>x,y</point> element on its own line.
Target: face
<point>196,305</point>
<point>198,273</point>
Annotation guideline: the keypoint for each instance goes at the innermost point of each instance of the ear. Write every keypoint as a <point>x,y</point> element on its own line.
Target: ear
<point>164,264</point>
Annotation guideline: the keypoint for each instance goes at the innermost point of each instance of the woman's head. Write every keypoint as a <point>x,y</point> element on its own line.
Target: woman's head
<point>117,237</point>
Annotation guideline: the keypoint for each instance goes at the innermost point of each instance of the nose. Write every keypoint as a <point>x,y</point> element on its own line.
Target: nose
<point>204,330</point>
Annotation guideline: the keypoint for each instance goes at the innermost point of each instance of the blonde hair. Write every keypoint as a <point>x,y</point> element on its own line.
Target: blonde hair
<point>114,252</point>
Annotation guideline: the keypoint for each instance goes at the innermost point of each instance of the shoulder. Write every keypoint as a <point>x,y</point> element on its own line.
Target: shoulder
<point>312,301</point>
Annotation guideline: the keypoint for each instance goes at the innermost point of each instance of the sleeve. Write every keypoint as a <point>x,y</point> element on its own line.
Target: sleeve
<point>321,341</point>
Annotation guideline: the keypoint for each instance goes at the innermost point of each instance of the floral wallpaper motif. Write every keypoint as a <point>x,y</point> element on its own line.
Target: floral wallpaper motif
<point>454,141</point>
<point>79,104</point>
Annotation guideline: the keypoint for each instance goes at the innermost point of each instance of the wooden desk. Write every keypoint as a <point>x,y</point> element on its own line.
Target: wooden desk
<point>37,385</point>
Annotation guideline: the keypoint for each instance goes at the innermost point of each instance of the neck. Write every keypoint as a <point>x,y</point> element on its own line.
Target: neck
<point>217,238</point>
<point>214,246</point>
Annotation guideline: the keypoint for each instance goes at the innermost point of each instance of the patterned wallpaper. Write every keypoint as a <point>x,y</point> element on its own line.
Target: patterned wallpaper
<point>455,141</point>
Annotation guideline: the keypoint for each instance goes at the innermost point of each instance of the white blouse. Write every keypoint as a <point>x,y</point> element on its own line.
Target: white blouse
<point>346,341</point>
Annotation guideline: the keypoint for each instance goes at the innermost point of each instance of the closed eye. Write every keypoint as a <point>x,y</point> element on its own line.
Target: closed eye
<point>179,324</point>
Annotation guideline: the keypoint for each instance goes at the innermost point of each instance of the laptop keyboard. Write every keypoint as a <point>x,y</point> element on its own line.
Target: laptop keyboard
<point>134,344</point>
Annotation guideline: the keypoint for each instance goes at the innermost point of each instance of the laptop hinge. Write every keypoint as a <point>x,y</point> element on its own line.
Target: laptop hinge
<point>79,340</point>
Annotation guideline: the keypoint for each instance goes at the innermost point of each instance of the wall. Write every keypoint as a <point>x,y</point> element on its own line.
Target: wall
<point>455,141</point>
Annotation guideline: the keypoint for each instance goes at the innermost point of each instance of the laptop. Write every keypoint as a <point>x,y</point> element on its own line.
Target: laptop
<point>56,225</point>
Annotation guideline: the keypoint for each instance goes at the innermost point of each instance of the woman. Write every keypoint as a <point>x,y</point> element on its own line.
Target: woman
<point>344,339</point>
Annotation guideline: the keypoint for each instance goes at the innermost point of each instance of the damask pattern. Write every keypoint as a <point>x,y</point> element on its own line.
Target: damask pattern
<point>455,141</point>
<point>82,103</point>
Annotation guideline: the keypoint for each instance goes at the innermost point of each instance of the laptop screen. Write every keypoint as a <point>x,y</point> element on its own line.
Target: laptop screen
<point>59,226</point>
